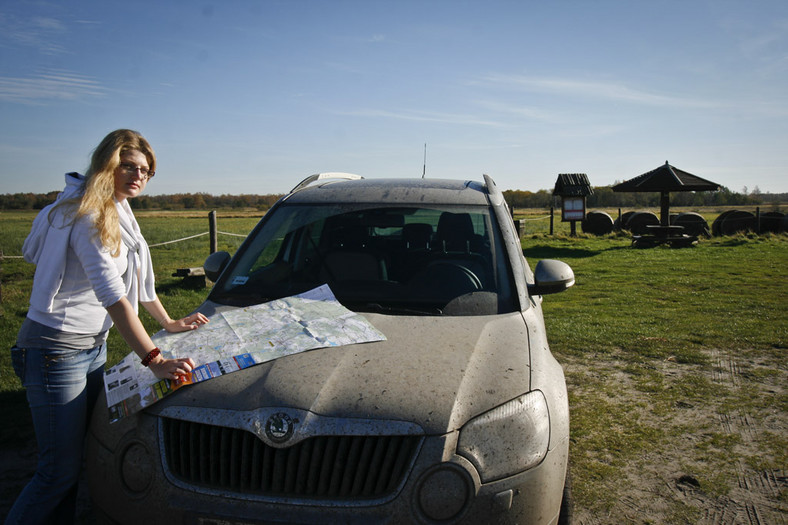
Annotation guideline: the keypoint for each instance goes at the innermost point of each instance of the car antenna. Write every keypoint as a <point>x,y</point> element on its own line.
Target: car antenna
<point>424,169</point>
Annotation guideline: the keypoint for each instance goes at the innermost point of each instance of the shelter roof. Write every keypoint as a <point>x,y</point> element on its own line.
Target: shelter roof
<point>572,185</point>
<point>666,178</point>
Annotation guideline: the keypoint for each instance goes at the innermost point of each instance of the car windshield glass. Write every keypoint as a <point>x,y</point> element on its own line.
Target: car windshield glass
<point>436,260</point>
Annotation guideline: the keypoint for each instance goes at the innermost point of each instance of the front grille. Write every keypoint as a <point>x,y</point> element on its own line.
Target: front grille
<point>321,467</point>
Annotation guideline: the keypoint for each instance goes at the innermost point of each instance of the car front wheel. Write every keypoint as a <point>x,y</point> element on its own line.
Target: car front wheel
<point>565,515</point>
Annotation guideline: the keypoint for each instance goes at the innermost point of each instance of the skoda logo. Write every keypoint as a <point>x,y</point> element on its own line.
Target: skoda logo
<point>279,427</point>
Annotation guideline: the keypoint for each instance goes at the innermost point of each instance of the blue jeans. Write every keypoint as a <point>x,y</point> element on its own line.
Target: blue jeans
<point>62,387</point>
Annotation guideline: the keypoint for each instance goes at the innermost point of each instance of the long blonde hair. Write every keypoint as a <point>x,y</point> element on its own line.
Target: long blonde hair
<point>98,199</point>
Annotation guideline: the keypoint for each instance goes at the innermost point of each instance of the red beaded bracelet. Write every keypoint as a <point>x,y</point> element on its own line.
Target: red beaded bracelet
<point>150,357</point>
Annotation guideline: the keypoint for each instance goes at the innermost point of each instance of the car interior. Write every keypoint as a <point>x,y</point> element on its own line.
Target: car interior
<point>382,258</point>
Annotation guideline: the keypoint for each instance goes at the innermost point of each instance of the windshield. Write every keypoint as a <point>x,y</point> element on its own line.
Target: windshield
<point>432,260</point>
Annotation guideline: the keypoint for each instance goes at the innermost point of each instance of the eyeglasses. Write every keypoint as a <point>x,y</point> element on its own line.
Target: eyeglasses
<point>131,169</point>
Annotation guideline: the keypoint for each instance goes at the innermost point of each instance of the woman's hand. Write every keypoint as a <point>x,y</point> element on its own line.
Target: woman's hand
<point>190,322</point>
<point>171,368</point>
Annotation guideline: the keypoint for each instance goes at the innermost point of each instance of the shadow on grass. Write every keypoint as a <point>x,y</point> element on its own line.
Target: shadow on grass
<point>545,251</point>
<point>730,242</point>
<point>175,286</point>
<point>18,426</point>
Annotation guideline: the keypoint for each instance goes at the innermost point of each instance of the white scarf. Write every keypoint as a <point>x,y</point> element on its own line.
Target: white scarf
<point>140,282</point>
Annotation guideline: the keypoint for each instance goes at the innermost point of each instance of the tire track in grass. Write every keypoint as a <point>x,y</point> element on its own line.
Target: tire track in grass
<point>717,457</point>
<point>756,500</point>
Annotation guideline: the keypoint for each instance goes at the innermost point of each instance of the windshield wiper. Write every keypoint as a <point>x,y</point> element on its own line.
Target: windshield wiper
<point>240,299</point>
<point>397,310</point>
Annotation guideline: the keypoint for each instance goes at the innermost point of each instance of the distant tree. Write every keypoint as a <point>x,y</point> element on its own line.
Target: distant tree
<point>602,197</point>
<point>199,201</point>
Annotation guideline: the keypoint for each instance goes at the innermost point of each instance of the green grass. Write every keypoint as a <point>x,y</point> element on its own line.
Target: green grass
<point>630,312</point>
<point>634,310</point>
<point>16,278</point>
<point>727,292</point>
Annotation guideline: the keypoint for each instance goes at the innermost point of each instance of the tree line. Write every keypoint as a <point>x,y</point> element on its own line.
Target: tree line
<point>602,197</point>
<point>605,197</point>
<point>178,201</point>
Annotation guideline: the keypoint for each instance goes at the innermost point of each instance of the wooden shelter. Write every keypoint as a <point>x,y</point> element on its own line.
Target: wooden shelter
<point>666,179</point>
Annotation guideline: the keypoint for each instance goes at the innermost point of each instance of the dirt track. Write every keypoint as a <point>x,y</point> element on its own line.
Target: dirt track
<point>690,477</point>
<point>667,484</point>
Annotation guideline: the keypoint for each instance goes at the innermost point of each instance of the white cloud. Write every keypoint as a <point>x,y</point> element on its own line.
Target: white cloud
<point>598,90</point>
<point>49,85</point>
<point>444,118</point>
<point>43,33</point>
<point>48,24</point>
<point>521,111</point>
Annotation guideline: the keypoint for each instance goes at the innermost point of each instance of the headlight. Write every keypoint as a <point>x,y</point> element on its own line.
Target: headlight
<point>508,439</point>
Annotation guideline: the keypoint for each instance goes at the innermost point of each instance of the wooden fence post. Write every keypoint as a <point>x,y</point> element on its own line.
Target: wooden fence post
<point>213,231</point>
<point>552,211</point>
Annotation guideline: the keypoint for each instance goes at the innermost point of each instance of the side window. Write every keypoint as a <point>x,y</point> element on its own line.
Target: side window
<point>305,250</point>
<point>268,255</point>
<point>295,248</point>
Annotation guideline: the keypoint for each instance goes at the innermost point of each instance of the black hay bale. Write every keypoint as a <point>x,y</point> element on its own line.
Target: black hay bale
<point>597,223</point>
<point>621,224</point>
<point>693,223</point>
<point>715,226</point>
<point>773,222</point>
<point>732,222</point>
<point>639,220</point>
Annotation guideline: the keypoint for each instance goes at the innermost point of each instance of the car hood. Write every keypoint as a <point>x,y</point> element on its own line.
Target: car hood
<point>436,372</point>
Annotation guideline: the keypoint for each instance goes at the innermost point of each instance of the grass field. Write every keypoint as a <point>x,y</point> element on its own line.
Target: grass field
<point>663,349</point>
<point>676,368</point>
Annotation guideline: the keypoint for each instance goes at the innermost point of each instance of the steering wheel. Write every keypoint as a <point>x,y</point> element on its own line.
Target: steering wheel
<point>455,273</point>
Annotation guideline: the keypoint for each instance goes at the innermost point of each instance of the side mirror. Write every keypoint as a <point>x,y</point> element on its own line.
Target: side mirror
<point>214,265</point>
<point>551,276</point>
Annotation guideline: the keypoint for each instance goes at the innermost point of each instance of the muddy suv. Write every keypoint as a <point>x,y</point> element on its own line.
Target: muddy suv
<point>459,416</point>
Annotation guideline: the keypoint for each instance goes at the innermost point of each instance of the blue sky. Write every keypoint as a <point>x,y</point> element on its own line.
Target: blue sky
<point>252,96</point>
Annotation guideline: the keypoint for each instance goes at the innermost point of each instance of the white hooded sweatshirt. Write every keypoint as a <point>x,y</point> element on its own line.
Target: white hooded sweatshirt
<point>76,278</point>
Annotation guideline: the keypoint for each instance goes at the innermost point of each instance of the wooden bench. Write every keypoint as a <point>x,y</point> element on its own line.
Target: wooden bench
<point>192,277</point>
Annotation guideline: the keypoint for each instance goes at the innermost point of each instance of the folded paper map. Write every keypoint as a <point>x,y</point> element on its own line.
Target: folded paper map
<point>237,339</point>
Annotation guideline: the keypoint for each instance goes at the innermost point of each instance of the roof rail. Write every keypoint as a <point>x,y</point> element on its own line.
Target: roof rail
<point>322,176</point>
<point>496,197</point>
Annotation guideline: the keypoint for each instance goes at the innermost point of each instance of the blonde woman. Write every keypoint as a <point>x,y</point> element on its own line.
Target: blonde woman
<point>93,268</point>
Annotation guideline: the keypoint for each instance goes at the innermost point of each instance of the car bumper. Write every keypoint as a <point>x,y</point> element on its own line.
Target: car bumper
<point>440,487</point>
